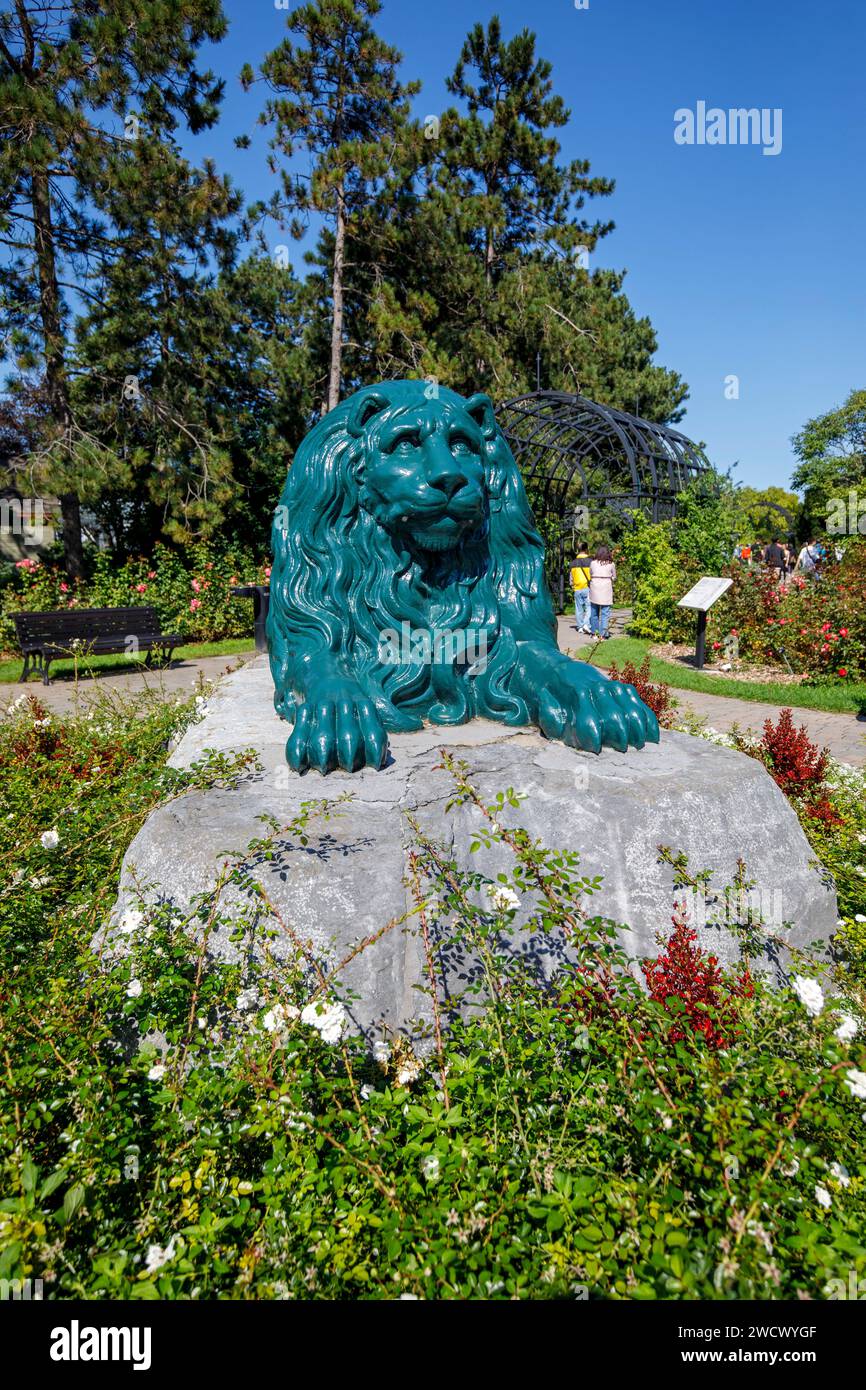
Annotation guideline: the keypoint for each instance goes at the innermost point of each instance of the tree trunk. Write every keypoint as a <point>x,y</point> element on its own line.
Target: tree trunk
<point>55,367</point>
<point>337,299</point>
<point>73,553</point>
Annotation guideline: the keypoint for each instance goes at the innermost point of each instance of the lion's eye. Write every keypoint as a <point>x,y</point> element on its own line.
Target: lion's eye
<point>460,446</point>
<point>407,443</point>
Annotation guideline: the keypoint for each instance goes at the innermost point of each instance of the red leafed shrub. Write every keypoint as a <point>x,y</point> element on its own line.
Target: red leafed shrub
<point>658,697</point>
<point>709,997</point>
<point>798,766</point>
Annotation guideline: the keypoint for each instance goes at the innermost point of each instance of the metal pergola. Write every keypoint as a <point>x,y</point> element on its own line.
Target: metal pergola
<point>573,451</point>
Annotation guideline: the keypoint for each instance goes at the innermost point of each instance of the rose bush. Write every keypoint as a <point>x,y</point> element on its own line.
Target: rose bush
<point>818,624</point>
<point>190,590</point>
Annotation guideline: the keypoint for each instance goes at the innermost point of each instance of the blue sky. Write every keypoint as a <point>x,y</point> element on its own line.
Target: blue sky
<point>747,264</point>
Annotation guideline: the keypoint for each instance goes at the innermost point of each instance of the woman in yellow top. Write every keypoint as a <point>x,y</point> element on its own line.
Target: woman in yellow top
<point>580,588</point>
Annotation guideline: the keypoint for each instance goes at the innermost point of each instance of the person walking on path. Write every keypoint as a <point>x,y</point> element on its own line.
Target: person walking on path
<point>602,573</point>
<point>807,560</point>
<point>580,589</point>
<point>774,559</point>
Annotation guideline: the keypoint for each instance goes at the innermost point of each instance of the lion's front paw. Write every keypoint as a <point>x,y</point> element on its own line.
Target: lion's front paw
<point>338,726</point>
<point>586,710</point>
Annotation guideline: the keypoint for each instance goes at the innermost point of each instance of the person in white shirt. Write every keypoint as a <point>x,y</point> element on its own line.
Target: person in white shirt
<point>807,560</point>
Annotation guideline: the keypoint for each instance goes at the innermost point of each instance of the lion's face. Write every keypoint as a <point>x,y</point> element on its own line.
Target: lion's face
<point>423,474</point>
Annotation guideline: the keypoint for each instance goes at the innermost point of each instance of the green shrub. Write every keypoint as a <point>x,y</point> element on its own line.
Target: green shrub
<point>660,577</point>
<point>175,1131</point>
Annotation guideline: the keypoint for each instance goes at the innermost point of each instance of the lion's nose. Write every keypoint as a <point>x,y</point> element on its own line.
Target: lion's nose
<point>443,473</point>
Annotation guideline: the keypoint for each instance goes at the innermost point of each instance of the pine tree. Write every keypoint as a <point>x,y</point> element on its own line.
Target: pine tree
<point>501,158</point>
<point>147,359</point>
<point>78,83</point>
<point>471,265</point>
<point>339,97</point>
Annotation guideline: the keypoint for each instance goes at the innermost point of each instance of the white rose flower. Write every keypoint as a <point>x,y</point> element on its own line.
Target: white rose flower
<point>501,898</point>
<point>858,917</point>
<point>131,921</point>
<point>247,999</point>
<point>277,1019</point>
<point>134,989</point>
<point>381,1052</point>
<point>408,1071</point>
<point>823,1197</point>
<point>847,1028</point>
<point>790,1170</point>
<point>809,993</point>
<point>430,1167</point>
<point>329,1020</point>
<point>156,1256</point>
<point>841,1174</point>
<point>50,839</point>
<point>856,1083</point>
<point>157,1072</point>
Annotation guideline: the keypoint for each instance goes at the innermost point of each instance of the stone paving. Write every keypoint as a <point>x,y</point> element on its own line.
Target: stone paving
<point>64,693</point>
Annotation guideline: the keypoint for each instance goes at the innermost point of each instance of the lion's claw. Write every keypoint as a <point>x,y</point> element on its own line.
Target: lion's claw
<point>585,709</point>
<point>339,728</point>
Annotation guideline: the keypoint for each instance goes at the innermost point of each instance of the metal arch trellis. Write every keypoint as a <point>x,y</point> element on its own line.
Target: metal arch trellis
<point>573,450</point>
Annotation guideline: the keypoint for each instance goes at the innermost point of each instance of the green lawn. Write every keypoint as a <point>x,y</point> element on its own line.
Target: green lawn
<point>10,669</point>
<point>847,698</point>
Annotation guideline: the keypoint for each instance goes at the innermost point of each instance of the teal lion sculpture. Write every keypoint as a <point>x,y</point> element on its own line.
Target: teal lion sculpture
<point>408,585</point>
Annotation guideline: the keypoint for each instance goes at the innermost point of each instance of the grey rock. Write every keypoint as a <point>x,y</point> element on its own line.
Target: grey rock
<point>712,804</point>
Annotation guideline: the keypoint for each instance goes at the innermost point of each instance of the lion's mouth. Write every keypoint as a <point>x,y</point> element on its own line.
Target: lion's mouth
<point>439,534</point>
<point>438,529</point>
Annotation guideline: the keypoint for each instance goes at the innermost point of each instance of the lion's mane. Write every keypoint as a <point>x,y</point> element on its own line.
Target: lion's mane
<point>339,579</point>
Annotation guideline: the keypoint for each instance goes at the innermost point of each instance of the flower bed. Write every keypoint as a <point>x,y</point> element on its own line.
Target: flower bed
<point>819,625</point>
<point>703,1140</point>
<point>190,591</point>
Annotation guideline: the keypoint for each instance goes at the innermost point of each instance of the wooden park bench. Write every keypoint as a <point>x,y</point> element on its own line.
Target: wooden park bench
<point>70,632</point>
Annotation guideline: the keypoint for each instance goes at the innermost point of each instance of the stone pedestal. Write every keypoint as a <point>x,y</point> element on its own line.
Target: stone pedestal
<point>712,804</point>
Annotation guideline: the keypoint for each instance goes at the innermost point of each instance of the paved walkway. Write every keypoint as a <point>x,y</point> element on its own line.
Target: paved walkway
<point>64,693</point>
<point>843,734</point>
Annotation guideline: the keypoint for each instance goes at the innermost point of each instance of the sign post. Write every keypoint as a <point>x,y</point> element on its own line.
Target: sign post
<point>701,597</point>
